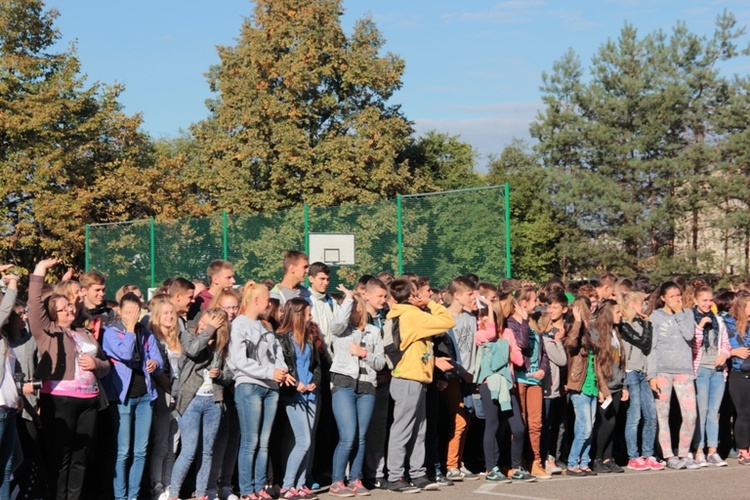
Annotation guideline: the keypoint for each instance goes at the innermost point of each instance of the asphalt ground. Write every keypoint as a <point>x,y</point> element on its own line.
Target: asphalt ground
<point>732,482</point>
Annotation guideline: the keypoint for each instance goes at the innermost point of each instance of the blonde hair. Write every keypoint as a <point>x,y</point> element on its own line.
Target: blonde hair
<point>628,299</point>
<point>64,288</point>
<point>125,289</point>
<point>252,290</point>
<point>154,325</point>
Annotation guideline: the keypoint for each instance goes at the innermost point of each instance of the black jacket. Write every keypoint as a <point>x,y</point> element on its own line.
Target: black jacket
<point>290,358</point>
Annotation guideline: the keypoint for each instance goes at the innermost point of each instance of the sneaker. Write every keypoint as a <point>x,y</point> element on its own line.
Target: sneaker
<point>164,495</point>
<point>690,463</point>
<point>289,494</point>
<point>638,464</point>
<point>552,468</point>
<point>538,471</point>
<point>307,493</point>
<point>575,472</point>
<point>675,463</point>
<point>700,459</point>
<point>715,459</point>
<point>613,467</point>
<point>226,493</point>
<point>401,486</point>
<point>521,476</point>
<point>467,474</point>
<point>442,480</point>
<point>251,496</point>
<point>358,488</point>
<point>454,475</point>
<point>339,489</point>
<point>424,483</point>
<point>588,471</point>
<point>376,484</point>
<point>599,467</point>
<point>743,458</point>
<point>654,464</point>
<point>497,477</point>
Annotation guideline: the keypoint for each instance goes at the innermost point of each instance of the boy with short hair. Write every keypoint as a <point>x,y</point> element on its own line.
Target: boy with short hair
<point>220,275</point>
<point>93,285</point>
<point>295,265</point>
<point>181,294</point>
<point>462,307</point>
<point>553,384</point>
<point>409,383</point>
<point>605,286</point>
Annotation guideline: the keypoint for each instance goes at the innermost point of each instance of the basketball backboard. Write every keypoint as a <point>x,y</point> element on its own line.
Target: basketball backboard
<point>335,249</point>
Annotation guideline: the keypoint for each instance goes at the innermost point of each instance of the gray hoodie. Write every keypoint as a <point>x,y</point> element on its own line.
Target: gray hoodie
<point>671,350</point>
<point>254,353</point>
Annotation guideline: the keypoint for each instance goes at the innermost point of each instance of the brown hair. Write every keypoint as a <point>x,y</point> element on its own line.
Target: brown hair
<point>604,325</point>
<point>222,334</point>
<point>291,257</point>
<point>294,321</point>
<point>738,313</point>
<point>91,278</point>
<point>123,290</point>
<point>216,267</point>
<point>223,294</point>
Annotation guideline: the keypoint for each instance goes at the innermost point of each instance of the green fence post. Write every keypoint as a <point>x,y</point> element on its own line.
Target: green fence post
<point>87,250</point>
<point>152,235</point>
<point>307,237</point>
<point>224,239</point>
<point>400,225</point>
<point>507,231</point>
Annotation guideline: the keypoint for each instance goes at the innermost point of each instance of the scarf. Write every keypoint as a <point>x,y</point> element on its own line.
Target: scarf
<point>713,325</point>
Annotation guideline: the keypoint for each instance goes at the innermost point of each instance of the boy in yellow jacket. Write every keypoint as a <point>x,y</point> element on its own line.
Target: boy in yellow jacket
<point>409,383</point>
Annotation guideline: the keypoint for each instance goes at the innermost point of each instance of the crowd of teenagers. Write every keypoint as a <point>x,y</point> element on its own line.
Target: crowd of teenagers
<point>268,390</point>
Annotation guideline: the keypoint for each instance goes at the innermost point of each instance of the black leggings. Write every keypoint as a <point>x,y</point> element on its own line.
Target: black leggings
<point>607,421</point>
<point>68,425</point>
<point>496,420</point>
<point>739,389</point>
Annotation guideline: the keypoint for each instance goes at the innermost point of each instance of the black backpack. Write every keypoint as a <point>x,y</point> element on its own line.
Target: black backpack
<point>392,342</point>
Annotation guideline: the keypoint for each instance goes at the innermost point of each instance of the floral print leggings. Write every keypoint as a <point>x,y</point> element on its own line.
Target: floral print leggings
<point>685,389</point>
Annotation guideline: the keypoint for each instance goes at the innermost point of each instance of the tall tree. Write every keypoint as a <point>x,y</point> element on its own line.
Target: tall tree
<point>447,161</point>
<point>301,113</point>
<point>68,154</point>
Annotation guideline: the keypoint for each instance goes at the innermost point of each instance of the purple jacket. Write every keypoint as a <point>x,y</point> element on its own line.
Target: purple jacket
<point>120,347</point>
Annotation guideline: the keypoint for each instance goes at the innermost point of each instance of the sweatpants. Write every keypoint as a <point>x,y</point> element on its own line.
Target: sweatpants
<point>406,442</point>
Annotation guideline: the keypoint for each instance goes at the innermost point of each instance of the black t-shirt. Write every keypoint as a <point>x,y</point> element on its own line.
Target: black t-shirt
<point>138,381</point>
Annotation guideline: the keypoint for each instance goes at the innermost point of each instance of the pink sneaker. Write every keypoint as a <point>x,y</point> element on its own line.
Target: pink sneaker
<point>654,464</point>
<point>638,464</point>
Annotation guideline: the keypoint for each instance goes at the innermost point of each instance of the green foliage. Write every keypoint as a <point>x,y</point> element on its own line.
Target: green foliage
<point>536,226</point>
<point>69,155</point>
<point>444,159</point>
<point>301,114</point>
<point>633,152</point>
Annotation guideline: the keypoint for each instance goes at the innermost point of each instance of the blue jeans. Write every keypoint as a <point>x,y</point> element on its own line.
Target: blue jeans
<point>132,422</point>
<point>10,449</point>
<point>585,408</point>
<point>709,391</point>
<point>641,406</point>
<point>302,420</point>
<point>352,412</point>
<point>256,409</point>
<point>202,416</point>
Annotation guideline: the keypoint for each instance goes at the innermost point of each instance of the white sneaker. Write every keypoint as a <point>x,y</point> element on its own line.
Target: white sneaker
<point>164,495</point>
<point>226,494</point>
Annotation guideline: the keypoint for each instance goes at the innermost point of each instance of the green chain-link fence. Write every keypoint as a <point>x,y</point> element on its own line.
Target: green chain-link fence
<point>440,235</point>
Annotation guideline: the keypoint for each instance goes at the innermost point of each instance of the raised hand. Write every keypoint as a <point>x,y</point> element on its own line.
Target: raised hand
<point>347,293</point>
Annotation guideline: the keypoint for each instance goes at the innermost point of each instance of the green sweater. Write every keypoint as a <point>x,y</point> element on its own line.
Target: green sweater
<point>589,384</point>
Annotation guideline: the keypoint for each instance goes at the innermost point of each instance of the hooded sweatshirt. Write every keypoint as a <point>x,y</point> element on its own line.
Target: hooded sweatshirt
<point>415,329</point>
<point>671,348</point>
<point>254,353</point>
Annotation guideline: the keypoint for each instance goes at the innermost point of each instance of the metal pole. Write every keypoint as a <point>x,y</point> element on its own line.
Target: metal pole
<point>400,229</point>
<point>224,240</point>
<point>507,231</point>
<point>307,238</point>
<point>152,230</point>
<point>87,246</point>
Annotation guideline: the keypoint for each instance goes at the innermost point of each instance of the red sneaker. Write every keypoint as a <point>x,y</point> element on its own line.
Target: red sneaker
<point>638,464</point>
<point>654,464</point>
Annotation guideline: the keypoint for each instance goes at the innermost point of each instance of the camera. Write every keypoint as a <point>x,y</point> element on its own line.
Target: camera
<point>20,379</point>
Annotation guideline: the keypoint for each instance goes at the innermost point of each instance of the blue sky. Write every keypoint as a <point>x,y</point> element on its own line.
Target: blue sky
<point>472,67</point>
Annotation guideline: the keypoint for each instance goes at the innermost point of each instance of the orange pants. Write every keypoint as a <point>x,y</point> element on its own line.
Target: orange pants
<point>459,420</point>
<point>531,399</point>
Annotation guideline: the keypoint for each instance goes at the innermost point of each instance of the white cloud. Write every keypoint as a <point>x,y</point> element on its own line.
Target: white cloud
<point>492,131</point>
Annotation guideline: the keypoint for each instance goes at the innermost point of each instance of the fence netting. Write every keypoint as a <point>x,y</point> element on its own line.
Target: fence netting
<point>443,235</point>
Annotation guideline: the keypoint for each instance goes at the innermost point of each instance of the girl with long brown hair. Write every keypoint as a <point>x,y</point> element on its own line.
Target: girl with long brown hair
<point>609,364</point>
<point>300,400</point>
<point>739,378</point>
